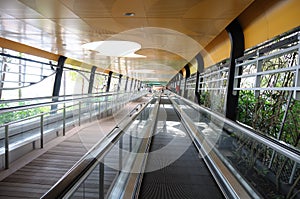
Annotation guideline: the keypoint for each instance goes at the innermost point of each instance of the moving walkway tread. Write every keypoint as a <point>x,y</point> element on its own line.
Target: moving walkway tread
<point>187,176</point>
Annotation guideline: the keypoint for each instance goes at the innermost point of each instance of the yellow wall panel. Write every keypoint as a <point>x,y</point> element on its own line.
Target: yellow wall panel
<point>217,50</point>
<point>264,20</point>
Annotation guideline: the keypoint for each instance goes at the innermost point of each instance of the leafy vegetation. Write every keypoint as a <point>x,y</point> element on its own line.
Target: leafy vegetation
<point>17,115</point>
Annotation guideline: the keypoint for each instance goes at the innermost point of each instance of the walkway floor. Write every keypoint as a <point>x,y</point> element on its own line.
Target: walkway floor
<point>174,169</point>
<point>35,173</point>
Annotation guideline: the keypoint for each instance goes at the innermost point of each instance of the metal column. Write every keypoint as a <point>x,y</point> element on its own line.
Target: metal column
<point>126,83</point>
<point>108,81</point>
<point>120,81</point>
<point>92,77</point>
<point>187,75</point>
<point>134,85</point>
<point>236,36</point>
<point>200,70</point>
<point>131,84</point>
<point>57,82</point>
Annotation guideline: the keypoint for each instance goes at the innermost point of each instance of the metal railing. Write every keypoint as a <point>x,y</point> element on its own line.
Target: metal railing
<point>72,183</point>
<point>255,71</point>
<point>128,182</point>
<point>214,79</point>
<point>23,71</point>
<point>229,144</point>
<point>70,110</point>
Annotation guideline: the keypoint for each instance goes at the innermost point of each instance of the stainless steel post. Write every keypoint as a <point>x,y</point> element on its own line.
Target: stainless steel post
<point>90,110</point>
<point>42,130</point>
<point>79,113</point>
<point>99,109</point>
<point>64,120</point>
<point>6,148</point>
<point>101,180</point>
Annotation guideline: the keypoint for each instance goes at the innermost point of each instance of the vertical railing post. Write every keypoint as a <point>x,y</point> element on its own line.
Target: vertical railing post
<point>64,120</point>
<point>99,109</point>
<point>293,173</point>
<point>131,83</point>
<point>258,77</point>
<point>101,180</point>
<point>79,113</point>
<point>130,140</point>
<point>90,109</point>
<point>6,148</point>
<point>297,75</point>
<point>42,130</point>
<point>120,154</point>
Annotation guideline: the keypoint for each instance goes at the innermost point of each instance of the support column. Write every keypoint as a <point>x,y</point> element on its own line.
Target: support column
<point>120,81</point>
<point>134,84</point>
<point>180,77</point>
<point>131,85</point>
<point>236,36</point>
<point>92,77</point>
<point>187,75</point>
<point>108,81</point>
<point>57,81</point>
<point>126,83</point>
<point>200,69</point>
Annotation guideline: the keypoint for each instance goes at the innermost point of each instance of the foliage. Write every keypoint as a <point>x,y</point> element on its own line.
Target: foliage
<point>273,113</point>
<point>17,115</point>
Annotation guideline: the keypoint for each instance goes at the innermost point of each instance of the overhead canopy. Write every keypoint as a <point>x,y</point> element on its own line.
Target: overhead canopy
<point>167,33</point>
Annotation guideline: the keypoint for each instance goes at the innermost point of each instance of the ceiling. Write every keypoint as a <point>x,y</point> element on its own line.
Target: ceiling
<point>170,32</point>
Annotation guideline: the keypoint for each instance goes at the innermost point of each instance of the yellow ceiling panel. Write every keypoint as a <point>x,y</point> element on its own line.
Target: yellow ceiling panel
<point>90,8</point>
<point>170,23</point>
<point>120,7</point>
<point>104,26</point>
<point>53,9</point>
<point>171,32</point>
<point>131,23</point>
<point>216,9</point>
<point>169,8</point>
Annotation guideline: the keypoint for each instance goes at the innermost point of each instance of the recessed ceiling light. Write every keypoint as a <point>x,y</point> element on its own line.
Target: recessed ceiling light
<point>129,14</point>
<point>114,48</point>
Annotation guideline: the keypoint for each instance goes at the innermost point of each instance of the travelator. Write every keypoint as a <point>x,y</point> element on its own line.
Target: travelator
<point>208,165</point>
<point>30,123</point>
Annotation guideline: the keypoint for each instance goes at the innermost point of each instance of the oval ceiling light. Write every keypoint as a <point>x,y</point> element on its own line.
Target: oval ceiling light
<point>113,48</point>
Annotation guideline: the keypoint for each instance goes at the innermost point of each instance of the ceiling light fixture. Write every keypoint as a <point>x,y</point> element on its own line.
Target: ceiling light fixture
<point>129,14</point>
<point>115,48</point>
